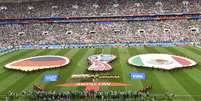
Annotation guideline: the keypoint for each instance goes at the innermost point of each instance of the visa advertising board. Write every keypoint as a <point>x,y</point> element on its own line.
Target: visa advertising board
<point>137,76</point>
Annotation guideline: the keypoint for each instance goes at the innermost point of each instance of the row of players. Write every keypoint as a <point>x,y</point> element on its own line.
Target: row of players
<point>115,32</point>
<point>97,8</point>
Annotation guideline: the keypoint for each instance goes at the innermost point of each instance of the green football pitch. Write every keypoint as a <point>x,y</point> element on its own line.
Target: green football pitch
<point>185,83</point>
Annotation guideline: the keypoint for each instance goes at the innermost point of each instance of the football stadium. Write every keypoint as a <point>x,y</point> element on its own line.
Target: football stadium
<point>100,50</point>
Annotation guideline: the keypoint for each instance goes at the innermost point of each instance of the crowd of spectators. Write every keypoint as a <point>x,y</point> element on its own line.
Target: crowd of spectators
<point>47,8</point>
<point>116,32</point>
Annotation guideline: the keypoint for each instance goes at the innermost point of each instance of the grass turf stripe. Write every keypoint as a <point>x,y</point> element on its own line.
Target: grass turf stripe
<point>194,88</point>
<point>71,67</point>
<point>173,86</point>
<point>106,51</point>
<point>117,70</point>
<point>38,79</point>
<point>137,84</point>
<point>11,58</point>
<point>84,65</point>
<point>156,81</point>
<point>6,73</point>
<point>24,80</point>
<point>195,72</point>
<point>61,71</point>
<point>20,74</point>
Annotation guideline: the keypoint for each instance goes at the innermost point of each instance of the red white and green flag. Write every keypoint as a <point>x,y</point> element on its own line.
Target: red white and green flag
<point>162,61</point>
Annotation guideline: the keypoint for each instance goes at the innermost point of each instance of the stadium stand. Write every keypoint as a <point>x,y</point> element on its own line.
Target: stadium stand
<point>117,32</point>
<point>47,24</point>
<point>96,8</point>
<point>12,35</point>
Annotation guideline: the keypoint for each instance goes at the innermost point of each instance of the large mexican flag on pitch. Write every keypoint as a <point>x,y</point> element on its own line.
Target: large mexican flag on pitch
<point>163,61</point>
